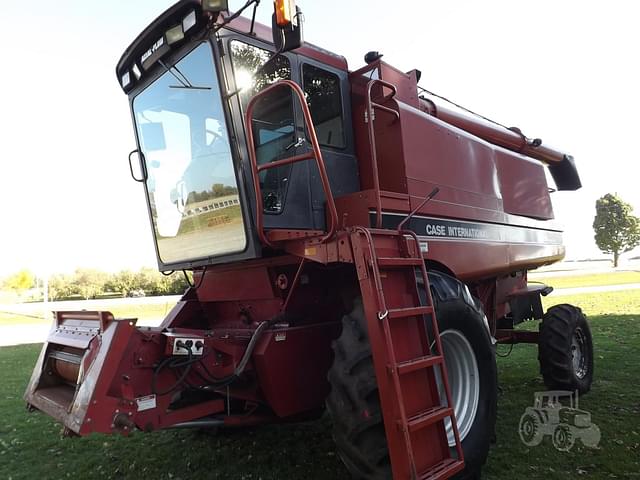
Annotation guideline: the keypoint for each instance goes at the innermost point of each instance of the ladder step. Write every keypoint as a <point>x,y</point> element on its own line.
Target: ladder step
<point>444,469</point>
<point>418,363</point>
<point>400,261</point>
<point>428,417</point>
<point>409,312</point>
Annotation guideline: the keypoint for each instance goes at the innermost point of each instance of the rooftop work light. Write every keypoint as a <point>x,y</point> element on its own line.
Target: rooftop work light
<point>215,5</point>
<point>125,79</point>
<point>174,34</point>
<point>189,21</point>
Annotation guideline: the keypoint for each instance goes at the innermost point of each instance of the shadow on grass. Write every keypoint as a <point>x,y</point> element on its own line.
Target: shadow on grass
<point>31,446</point>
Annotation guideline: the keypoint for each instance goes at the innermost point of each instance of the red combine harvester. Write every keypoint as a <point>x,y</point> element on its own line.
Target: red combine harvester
<point>355,246</point>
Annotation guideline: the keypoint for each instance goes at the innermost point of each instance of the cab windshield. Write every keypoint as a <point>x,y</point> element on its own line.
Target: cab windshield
<point>191,180</point>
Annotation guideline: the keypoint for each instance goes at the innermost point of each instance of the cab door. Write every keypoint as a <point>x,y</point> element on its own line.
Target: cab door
<point>292,195</point>
<point>328,97</point>
<point>278,133</point>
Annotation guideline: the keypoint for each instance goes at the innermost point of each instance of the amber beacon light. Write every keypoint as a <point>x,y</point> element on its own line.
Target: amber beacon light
<point>285,11</point>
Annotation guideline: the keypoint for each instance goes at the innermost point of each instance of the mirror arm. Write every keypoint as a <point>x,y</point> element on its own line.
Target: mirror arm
<point>253,18</point>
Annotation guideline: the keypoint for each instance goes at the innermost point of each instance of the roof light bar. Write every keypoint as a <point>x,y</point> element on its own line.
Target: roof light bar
<point>157,50</point>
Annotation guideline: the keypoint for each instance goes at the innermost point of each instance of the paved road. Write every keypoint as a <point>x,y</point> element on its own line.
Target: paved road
<point>21,334</point>
<point>570,269</point>
<point>605,288</point>
<point>37,332</point>
<point>39,307</point>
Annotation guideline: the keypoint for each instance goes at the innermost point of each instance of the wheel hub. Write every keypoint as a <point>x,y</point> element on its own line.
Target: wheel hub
<point>578,344</point>
<point>464,382</point>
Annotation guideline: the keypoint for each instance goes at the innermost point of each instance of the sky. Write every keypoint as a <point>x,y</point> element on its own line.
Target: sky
<point>566,72</point>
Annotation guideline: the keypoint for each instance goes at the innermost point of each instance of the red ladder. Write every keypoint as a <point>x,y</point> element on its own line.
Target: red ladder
<point>405,358</point>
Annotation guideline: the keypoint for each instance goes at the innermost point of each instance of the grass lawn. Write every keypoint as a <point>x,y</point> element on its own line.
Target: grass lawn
<point>30,445</point>
<point>589,280</point>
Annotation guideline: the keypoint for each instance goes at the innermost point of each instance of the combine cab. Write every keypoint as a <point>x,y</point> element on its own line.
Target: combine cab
<point>355,246</point>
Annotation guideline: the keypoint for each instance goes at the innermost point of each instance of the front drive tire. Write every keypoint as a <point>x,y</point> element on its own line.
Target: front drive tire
<point>565,349</point>
<point>353,402</point>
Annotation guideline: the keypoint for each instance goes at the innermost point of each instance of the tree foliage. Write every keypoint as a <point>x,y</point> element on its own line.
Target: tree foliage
<point>217,190</point>
<point>90,283</point>
<point>62,286</point>
<point>247,60</point>
<point>616,229</point>
<point>20,281</point>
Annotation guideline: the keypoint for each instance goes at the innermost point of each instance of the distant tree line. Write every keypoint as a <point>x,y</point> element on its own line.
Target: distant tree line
<point>217,190</point>
<point>91,283</point>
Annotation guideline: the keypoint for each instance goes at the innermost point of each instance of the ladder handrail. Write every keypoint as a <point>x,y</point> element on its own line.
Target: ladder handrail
<point>370,105</point>
<point>315,154</point>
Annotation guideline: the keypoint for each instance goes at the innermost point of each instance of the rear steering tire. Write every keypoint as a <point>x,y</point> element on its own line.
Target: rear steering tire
<point>354,404</point>
<point>565,349</point>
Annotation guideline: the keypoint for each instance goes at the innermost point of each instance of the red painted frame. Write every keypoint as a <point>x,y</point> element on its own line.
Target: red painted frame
<point>315,154</point>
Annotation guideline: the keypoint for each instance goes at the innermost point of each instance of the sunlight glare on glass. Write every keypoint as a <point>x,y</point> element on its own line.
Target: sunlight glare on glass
<point>244,79</point>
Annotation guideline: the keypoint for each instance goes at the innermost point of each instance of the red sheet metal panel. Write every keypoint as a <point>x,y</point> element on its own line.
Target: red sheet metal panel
<point>524,186</point>
<point>292,366</point>
<point>226,285</point>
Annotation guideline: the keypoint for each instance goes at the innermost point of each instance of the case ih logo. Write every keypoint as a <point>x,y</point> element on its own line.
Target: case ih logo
<point>564,423</point>
<point>445,229</point>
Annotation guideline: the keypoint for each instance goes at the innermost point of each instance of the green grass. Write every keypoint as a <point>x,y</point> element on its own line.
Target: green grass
<point>614,402</point>
<point>30,445</point>
<point>590,280</point>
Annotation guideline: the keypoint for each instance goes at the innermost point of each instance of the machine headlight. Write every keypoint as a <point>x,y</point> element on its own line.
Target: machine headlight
<point>174,34</point>
<point>215,5</point>
<point>125,79</point>
<point>189,21</point>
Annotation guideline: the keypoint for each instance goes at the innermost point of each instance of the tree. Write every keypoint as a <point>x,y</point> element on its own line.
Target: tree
<point>61,286</point>
<point>21,281</point>
<point>617,230</point>
<point>124,282</point>
<point>89,282</point>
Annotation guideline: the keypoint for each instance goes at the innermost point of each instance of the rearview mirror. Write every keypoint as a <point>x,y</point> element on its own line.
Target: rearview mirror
<point>287,37</point>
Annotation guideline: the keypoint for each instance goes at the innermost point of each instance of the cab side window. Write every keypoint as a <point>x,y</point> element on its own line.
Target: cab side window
<point>322,91</point>
<point>273,117</point>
